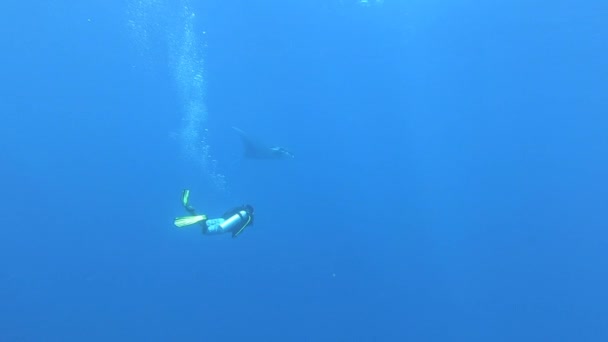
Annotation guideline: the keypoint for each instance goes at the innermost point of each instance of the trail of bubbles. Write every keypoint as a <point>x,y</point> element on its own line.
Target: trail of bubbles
<point>154,21</point>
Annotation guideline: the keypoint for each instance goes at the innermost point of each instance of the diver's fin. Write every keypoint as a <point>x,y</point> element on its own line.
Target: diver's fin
<point>185,197</point>
<point>188,220</point>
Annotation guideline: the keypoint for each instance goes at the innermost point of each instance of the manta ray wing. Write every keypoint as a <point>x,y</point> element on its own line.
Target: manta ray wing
<point>255,149</point>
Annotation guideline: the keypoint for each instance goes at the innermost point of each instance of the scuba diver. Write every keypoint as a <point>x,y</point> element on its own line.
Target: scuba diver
<point>257,150</point>
<point>233,221</point>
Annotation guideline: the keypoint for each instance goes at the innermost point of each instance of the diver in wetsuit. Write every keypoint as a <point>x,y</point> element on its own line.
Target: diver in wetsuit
<point>233,221</point>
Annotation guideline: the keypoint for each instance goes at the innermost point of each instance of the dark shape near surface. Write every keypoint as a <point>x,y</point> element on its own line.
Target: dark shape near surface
<point>257,150</point>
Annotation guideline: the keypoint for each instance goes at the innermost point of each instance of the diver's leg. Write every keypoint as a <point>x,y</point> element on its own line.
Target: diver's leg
<point>186,202</point>
<point>190,209</point>
<point>213,226</point>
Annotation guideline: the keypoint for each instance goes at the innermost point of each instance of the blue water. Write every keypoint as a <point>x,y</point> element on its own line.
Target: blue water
<point>449,181</point>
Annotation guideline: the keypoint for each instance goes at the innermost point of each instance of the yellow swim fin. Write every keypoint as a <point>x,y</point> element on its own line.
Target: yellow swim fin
<point>185,197</point>
<point>188,220</point>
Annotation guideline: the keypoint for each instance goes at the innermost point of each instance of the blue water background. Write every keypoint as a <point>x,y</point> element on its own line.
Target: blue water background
<point>449,181</point>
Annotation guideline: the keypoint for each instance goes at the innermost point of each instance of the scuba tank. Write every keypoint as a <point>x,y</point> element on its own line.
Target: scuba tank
<point>236,223</point>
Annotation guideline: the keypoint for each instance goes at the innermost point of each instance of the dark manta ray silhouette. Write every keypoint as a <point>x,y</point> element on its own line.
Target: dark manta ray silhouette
<point>257,150</point>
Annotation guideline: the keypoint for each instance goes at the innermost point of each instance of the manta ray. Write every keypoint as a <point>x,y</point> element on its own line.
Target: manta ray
<point>257,150</point>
